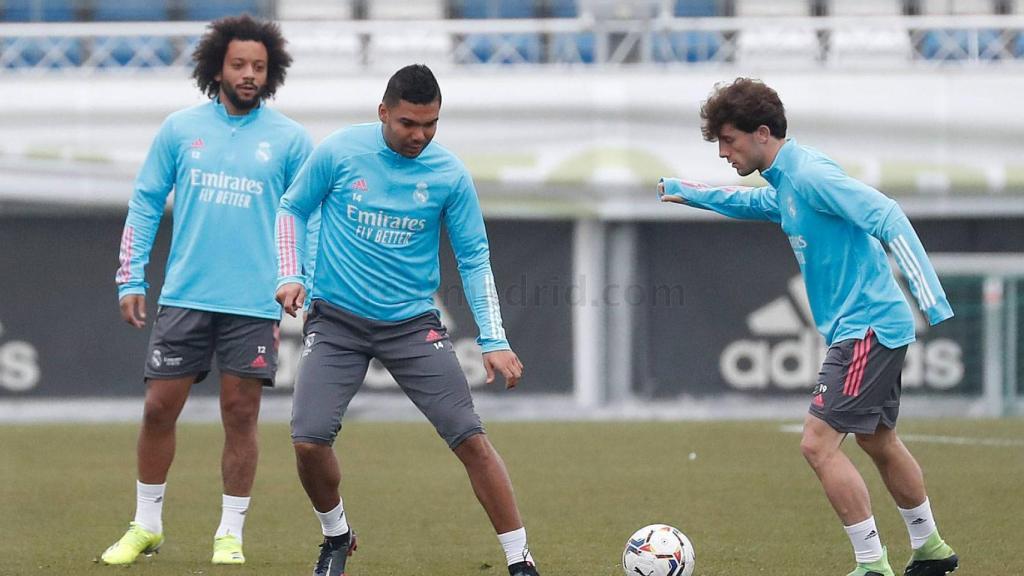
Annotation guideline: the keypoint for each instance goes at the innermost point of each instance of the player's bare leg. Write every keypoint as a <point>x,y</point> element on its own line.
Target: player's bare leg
<point>493,488</point>
<point>899,469</point>
<point>905,481</point>
<point>239,411</point>
<point>319,473</point>
<point>847,493</point>
<point>156,445</point>
<point>844,487</point>
<point>490,481</point>
<point>155,452</point>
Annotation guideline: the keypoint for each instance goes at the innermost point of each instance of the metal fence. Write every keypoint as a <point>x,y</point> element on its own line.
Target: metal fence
<point>778,42</point>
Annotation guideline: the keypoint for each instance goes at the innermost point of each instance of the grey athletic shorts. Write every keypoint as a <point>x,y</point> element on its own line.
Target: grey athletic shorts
<point>338,346</point>
<point>859,385</point>
<point>184,341</point>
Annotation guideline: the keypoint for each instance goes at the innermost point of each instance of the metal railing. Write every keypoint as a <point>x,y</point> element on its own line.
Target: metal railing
<point>824,42</point>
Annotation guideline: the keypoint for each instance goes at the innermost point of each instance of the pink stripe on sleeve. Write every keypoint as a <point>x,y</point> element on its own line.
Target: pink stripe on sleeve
<point>124,273</point>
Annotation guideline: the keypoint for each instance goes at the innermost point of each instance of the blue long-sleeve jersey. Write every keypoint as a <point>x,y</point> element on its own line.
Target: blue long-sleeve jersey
<point>377,253</point>
<point>228,174</point>
<point>837,227</point>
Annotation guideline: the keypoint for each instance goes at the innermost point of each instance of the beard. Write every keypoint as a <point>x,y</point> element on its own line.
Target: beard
<point>239,102</point>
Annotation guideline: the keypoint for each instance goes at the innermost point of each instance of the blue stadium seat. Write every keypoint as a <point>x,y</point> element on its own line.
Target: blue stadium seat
<point>129,11</point>
<point>525,48</point>
<point>689,46</point>
<point>204,10</point>
<point>951,45</point>
<point>566,46</point>
<point>31,52</point>
<point>477,9</point>
<point>141,52</point>
<point>992,45</point>
<point>563,9</point>
<point>39,11</point>
<point>695,8</point>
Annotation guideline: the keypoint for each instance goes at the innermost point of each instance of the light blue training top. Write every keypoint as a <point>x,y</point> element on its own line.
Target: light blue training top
<point>837,227</point>
<point>377,254</point>
<point>228,174</point>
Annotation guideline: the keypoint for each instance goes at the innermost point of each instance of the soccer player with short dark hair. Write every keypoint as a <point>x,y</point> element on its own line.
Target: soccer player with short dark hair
<point>228,161</point>
<point>839,229</point>
<point>386,189</point>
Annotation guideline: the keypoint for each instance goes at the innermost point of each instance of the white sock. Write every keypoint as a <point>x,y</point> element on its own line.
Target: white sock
<point>334,522</point>
<point>516,549</point>
<point>867,546</point>
<point>232,516</point>
<point>920,523</point>
<point>149,506</point>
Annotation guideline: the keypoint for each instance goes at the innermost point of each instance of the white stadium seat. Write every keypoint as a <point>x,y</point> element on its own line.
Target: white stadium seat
<point>866,8</point>
<point>957,7</point>
<point>405,10</point>
<point>777,48</point>
<point>773,8</point>
<point>875,45</point>
<point>314,9</point>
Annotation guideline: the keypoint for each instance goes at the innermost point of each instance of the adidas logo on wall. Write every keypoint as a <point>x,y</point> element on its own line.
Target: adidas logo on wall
<point>790,363</point>
<point>786,350</point>
<point>19,364</point>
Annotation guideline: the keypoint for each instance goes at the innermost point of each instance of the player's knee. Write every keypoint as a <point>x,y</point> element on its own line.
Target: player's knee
<point>305,450</point>
<point>159,414</point>
<point>310,453</point>
<point>240,413</point>
<point>474,447</point>
<point>813,450</point>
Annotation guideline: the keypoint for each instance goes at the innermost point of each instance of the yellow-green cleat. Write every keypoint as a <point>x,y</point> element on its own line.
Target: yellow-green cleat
<point>227,550</point>
<point>934,558</point>
<point>879,567</point>
<point>137,540</point>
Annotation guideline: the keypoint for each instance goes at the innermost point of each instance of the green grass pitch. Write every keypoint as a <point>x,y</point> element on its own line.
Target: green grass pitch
<point>747,500</point>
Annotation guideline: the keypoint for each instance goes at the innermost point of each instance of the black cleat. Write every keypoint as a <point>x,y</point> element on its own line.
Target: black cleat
<point>334,553</point>
<point>939,567</point>
<point>523,569</point>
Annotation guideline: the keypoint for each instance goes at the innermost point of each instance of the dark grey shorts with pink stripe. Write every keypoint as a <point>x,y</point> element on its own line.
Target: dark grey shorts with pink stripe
<point>418,352</point>
<point>859,385</point>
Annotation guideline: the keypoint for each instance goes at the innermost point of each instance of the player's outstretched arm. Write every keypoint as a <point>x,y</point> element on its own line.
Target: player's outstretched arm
<point>291,296</point>
<point>741,202</point>
<point>133,309</point>
<point>506,363</point>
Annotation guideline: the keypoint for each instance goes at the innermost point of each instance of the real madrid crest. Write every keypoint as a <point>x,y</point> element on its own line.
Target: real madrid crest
<point>263,152</point>
<point>421,194</point>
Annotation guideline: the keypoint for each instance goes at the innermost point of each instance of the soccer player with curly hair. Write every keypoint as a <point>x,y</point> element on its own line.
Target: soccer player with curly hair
<point>228,162</point>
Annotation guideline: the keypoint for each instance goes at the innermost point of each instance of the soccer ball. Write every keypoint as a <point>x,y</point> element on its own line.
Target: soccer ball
<point>658,550</point>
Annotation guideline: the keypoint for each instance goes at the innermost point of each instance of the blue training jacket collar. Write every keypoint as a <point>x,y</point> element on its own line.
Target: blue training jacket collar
<point>783,160</point>
<point>237,121</point>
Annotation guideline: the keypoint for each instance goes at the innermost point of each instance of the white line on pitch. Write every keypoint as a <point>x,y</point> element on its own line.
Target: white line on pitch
<point>932,439</point>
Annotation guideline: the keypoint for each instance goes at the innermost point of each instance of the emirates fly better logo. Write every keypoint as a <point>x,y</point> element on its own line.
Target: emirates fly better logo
<point>786,350</point>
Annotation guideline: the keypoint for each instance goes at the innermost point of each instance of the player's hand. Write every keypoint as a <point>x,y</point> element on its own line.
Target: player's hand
<point>133,309</point>
<point>291,296</point>
<point>507,363</point>
<point>668,197</point>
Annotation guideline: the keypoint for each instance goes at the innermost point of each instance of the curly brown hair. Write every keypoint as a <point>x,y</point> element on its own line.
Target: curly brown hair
<point>209,53</point>
<point>746,104</point>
